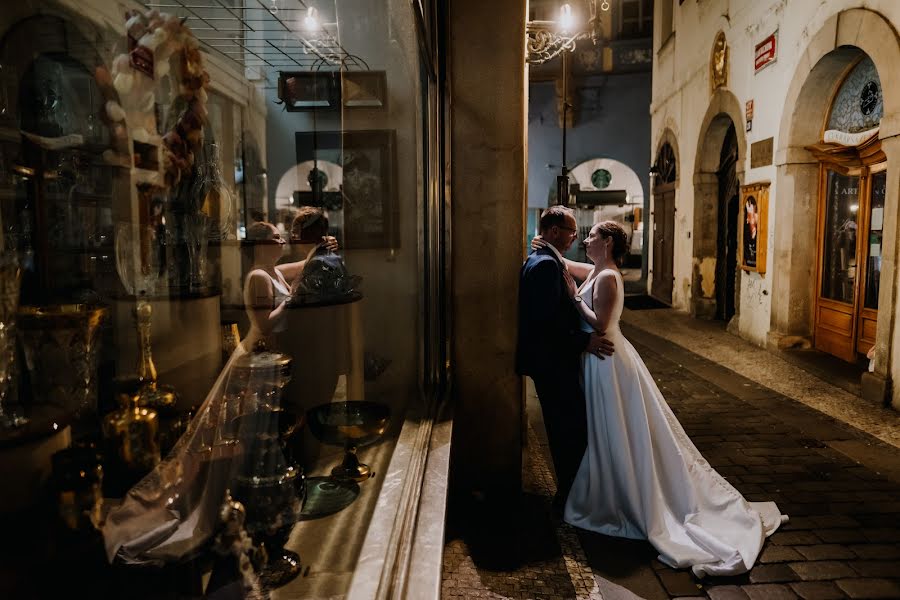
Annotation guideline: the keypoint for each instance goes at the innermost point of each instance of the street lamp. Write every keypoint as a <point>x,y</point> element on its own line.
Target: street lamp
<point>549,39</point>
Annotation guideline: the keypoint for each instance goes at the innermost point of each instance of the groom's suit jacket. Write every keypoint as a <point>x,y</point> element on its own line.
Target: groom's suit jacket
<point>550,336</point>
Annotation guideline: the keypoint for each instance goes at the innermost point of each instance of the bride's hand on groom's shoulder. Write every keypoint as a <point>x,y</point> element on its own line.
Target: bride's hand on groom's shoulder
<point>537,242</point>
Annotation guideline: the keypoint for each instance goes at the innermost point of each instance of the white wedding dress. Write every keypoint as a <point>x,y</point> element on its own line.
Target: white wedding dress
<point>642,477</point>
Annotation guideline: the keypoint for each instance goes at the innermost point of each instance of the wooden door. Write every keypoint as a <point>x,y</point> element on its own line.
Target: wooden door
<point>870,274</point>
<point>663,242</point>
<point>851,212</point>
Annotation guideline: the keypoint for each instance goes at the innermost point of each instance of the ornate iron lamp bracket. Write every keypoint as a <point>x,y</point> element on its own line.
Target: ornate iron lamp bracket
<point>545,41</point>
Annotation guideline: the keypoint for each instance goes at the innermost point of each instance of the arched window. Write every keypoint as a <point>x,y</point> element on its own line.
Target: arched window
<point>665,165</point>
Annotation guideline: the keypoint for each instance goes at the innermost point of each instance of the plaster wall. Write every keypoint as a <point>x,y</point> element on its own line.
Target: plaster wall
<point>682,97</point>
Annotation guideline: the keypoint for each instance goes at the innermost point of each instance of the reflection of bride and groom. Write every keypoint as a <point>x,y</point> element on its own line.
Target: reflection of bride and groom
<point>173,511</point>
<point>625,466</point>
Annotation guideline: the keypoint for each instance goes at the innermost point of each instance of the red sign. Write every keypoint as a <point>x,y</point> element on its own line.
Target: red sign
<point>766,51</point>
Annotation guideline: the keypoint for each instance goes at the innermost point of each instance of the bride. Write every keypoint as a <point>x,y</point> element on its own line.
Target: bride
<point>641,476</point>
<point>173,511</point>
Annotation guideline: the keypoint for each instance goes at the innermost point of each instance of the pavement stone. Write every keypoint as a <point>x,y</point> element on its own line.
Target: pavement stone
<point>821,569</point>
<point>870,588</point>
<point>772,573</point>
<point>775,554</point>
<point>818,590</point>
<point>826,552</point>
<point>728,592</point>
<point>769,591</point>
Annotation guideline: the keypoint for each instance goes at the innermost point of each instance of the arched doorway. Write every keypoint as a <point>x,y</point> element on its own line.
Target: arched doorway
<point>832,52</point>
<point>851,204</point>
<point>726,238</point>
<point>610,190</point>
<point>721,148</point>
<point>666,173</point>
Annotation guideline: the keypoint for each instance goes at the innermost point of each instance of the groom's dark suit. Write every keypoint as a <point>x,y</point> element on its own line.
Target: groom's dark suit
<point>549,349</point>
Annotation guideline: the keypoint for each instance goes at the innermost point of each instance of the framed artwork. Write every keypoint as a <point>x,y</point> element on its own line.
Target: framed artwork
<point>364,89</point>
<point>305,91</point>
<point>754,216</point>
<point>368,207</point>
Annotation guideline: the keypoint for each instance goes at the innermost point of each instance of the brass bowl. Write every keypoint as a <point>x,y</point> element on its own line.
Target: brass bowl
<point>359,423</point>
<point>353,424</point>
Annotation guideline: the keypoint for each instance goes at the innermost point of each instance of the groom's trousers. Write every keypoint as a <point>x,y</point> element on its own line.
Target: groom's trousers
<point>565,419</point>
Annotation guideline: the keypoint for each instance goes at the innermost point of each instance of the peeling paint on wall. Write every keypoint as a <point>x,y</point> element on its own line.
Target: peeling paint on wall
<point>705,275</point>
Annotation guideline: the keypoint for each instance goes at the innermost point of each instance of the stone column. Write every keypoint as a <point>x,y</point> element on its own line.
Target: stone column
<point>488,177</point>
<point>876,386</point>
<point>795,246</point>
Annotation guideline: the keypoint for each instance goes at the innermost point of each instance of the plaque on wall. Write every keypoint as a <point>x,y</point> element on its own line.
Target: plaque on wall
<point>761,153</point>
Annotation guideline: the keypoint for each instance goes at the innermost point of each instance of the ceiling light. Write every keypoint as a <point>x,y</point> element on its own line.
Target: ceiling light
<point>566,18</point>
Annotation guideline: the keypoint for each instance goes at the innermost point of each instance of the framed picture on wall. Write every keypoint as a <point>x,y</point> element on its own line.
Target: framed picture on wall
<point>369,209</point>
<point>364,89</point>
<point>752,230</point>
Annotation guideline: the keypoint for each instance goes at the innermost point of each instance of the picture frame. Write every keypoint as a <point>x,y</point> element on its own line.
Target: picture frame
<point>364,89</point>
<point>369,208</point>
<point>752,228</point>
<point>309,90</point>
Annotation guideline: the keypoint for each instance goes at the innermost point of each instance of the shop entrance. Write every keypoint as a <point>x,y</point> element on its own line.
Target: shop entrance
<point>852,186</point>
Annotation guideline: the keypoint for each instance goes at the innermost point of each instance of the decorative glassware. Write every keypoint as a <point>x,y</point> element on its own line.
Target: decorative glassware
<point>132,433</point>
<point>78,483</point>
<point>351,424</point>
<point>10,282</point>
<point>137,262</point>
<point>196,236</point>
<point>270,485</point>
<point>60,343</point>
<point>269,481</point>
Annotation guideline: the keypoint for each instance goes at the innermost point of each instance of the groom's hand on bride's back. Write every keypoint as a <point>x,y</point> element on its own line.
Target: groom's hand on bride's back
<point>600,346</point>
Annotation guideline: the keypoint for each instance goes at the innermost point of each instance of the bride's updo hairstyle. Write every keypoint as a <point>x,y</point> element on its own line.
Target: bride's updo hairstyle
<point>611,229</point>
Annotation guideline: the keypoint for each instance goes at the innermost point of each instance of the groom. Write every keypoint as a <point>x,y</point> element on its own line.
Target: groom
<point>550,345</point>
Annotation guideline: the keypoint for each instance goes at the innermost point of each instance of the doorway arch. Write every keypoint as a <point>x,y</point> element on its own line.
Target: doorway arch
<point>830,53</point>
<point>724,118</point>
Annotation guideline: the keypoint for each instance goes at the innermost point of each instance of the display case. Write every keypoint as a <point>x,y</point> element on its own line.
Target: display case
<point>135,153</point>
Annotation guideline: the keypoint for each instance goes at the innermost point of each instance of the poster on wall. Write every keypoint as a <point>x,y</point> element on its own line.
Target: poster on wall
<point>754,215</point>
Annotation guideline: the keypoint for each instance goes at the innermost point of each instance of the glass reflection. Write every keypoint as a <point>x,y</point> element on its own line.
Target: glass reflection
<point>839,259</point>
<point>876,224</point>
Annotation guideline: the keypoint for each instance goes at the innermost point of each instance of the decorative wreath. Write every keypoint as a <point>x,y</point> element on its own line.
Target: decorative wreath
<point>130,92</point>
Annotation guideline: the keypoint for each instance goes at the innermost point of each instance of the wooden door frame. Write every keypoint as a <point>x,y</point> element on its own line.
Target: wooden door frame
<point>658,191</point>
<point>862,161</point>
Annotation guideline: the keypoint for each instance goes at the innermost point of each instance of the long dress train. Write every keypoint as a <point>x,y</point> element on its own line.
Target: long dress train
<point>642,477</point>
<point>173,511</point>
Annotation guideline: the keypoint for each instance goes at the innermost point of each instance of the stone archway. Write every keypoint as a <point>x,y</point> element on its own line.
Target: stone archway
<point>724,111</point>
<point>831,51</point>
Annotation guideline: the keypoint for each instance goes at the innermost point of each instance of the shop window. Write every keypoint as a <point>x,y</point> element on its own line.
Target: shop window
<point>191,334</point>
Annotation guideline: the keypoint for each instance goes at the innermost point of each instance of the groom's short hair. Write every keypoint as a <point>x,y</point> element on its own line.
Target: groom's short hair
<point>555,215</point>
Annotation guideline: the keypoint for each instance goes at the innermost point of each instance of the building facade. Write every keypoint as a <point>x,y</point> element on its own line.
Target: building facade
<point>774,137</point>
<point>607,93</point>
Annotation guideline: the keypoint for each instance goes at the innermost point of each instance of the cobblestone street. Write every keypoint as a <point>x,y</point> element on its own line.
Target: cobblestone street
<point>840,486</point>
